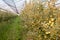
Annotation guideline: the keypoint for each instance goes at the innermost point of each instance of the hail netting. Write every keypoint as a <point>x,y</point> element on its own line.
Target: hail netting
<point>12,5</point>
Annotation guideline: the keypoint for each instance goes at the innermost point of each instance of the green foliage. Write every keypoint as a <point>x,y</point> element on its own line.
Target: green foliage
<point>5,16</point>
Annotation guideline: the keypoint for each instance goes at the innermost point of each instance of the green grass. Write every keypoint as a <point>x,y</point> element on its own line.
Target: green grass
<point>11,30</point>
<point>10,27</point>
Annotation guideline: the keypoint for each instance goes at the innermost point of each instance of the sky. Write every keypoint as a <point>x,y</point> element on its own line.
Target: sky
<point>19,4</point>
